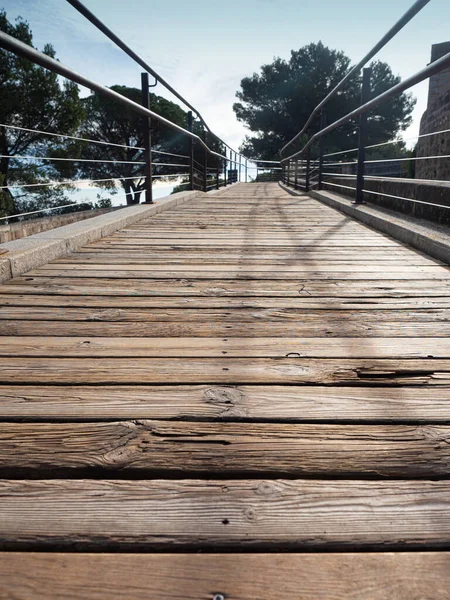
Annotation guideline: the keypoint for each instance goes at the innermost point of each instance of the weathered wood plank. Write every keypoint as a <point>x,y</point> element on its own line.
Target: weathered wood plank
<point>406,451</point>
<point>228,287</point>
<point>336,328</point>
<point>272,273</point>
<point>291,403</point>
<point>378,576</point>
<point>282,514</point>
<point>222,302</point>
<point>388,347</point>
<point>231,370</point>
<point>236,315</point>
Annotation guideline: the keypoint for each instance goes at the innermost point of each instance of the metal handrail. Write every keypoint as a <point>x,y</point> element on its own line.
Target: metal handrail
<point>407,17</point>
<point>81,8</point>
<point>13,45</point>
<point>432,69</point>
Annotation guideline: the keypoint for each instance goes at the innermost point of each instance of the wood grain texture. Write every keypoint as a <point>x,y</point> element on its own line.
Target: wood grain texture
<point>378,576</point>
<point>251,288</point>
<point>284,514</point>
<point>233,347</point>
<point>406,404</point>
<point>228,448</point>
<point>109,371</point>
<point>222,302</point>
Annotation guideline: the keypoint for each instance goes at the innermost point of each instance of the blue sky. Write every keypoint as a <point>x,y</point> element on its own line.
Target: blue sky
<point>205,48</point>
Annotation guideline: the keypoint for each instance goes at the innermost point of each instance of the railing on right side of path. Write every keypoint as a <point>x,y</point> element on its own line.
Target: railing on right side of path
<point>360,173</point>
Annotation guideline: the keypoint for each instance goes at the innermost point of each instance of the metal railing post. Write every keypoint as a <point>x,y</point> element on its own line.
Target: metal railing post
<point>191,152</point>
<point>146,129</point>
<point>240,159</point>
<point>363,137</point>
<point>225,168</point>
<point>308,168</point>
<point>296,174</point>
<point>217,173</point>
<point>246,171</point>
<point>205,174</point>
<point>323,124</point>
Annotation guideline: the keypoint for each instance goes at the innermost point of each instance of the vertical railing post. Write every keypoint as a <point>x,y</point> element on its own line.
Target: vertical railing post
<point>363,137</point>
<point>225,168</point>
<point>191,151</point>
<point>218,172</point>
<point>308,168</point>
<point>147,133</point>
<point>240,159</point>
<point>296,174</point>
<point>246,171</point>
<point>205,174</point>
<point>323,124</point>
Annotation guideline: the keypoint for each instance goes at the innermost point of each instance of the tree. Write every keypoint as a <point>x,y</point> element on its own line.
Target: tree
<point>276,103</point>
<point>110,122</point>
<point>33,98</point>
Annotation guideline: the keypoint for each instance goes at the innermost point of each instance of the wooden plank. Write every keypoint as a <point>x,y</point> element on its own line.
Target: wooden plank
<point>434,271</point>
<point>291,403</point>
<point>378,576</point>
<point>282,514</point>
<point>222,302</point>
<point>231,370</point>
<point>225,347</point>
<point>113,326</point>
<point>236,315</point>
<point>252,261</point>
<point>282,450</point>
<point>273,273</point>
<point>228,287</point>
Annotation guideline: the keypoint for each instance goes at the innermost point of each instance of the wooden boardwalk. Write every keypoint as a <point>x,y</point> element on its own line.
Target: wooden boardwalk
<point>246,397</point>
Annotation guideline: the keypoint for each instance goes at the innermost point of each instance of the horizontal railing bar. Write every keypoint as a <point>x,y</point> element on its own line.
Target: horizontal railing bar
<point>404,20</point>
<point>114,38</point>
<point>33,212</point>
<point>174,175</point>
<point>344,152</point>
<point>339,186</point>
<point>13,45</point>
<point>383,160</point>
<point>71,137</point>
<point>417,137</point>
<point>72,182</point>
<point>170,154</point>
<point>432,69</point>
<point>407,199</point>
<point>158,164</point>
<point>122,162</point>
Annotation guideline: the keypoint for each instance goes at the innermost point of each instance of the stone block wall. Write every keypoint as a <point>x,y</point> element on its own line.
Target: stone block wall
<point>21,229</point>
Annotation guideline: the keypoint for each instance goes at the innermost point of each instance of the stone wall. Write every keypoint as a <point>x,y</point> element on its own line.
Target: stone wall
<point>21,229</point>
<point>407,188</point>
<point>436,118</point>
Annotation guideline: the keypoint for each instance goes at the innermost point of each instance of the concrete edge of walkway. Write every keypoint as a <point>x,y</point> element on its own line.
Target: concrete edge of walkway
<point>39,249</point>
<point>430,239</point>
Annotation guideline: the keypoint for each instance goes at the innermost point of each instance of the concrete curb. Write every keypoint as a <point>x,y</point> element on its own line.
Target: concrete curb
<point>37,250</point>
<point>430,239</point>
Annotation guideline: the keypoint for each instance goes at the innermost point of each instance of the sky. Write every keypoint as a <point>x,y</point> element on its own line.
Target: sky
<point>204,48</point>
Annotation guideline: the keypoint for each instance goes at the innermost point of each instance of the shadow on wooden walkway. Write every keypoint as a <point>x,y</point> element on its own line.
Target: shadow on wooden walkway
<point>248,393</point>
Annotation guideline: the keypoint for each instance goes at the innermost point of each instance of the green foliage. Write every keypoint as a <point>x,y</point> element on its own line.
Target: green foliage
<point>33,98</point>
<point>103,202</point>
<point>109,121</point>
<point>276,103</point>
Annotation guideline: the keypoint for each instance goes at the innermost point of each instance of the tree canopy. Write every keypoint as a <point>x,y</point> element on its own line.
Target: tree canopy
<point>276,103</point>
<point>33,98</point>
<point>108,121</point>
